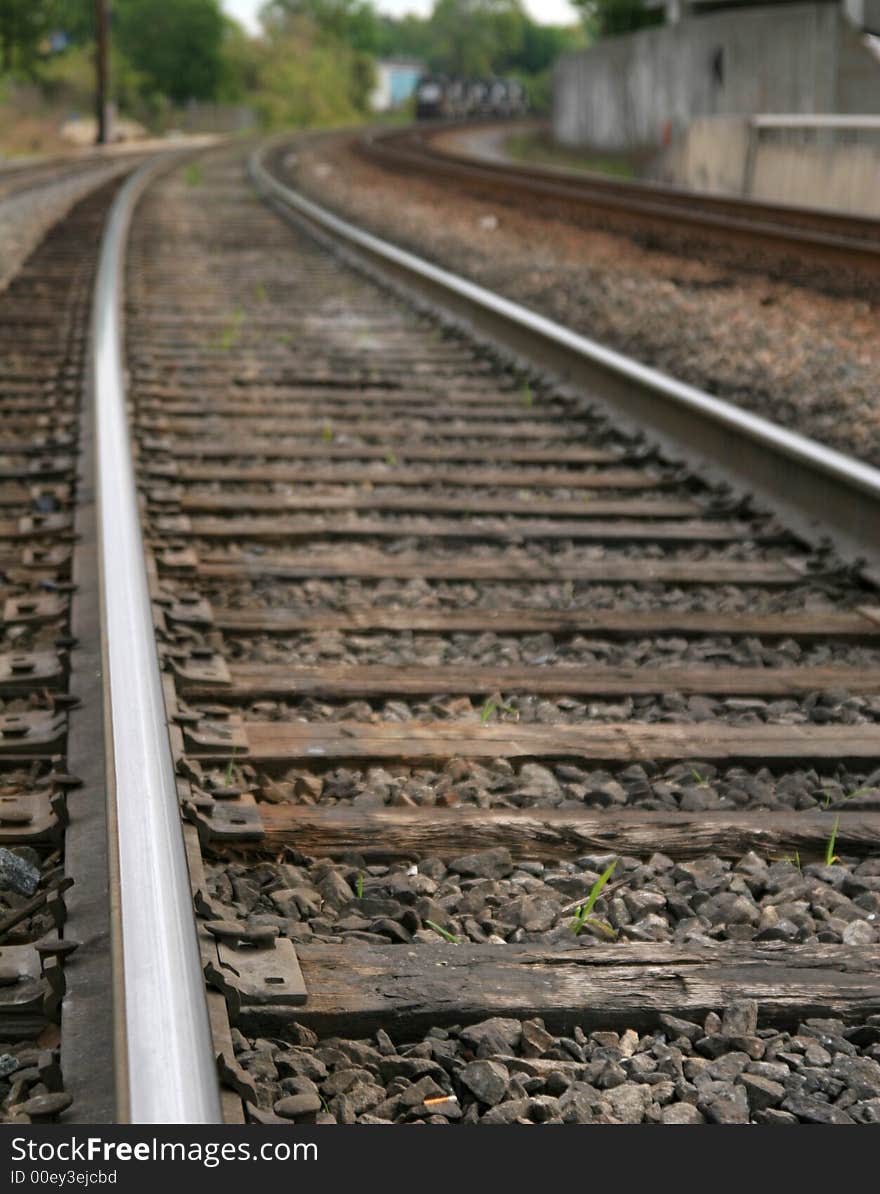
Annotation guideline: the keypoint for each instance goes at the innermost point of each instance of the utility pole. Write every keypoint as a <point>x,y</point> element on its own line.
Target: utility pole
<point>102,69</point>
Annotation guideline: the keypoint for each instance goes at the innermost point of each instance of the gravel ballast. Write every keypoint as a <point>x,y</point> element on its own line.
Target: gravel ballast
<point>728,1069</point>
<point>489,898</point>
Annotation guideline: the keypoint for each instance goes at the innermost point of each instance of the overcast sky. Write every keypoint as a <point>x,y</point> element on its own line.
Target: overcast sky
<point>548,12</point>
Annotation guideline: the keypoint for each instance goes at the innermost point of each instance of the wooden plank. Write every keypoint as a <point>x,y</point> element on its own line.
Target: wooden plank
<point>391,834</point>
<point>272,449</point>
<point>798,624</point>
<point>35,470</point>
<point>37,445</point>
<point>161,400</point>
<point>294,418</point>
<point>356,988</point>
<point>158,414</point>
<point>14,494</point>
<point>256,680</point>
<point>611,742</point>
<point>475,527</point>
<point>474,502</point>
<point>394,473</point>
<point>260,437</point>
<point>510,567</point>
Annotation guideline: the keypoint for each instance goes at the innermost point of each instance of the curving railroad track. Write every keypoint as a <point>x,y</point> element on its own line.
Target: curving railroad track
<point>835,250</point>
<point>488,764</point>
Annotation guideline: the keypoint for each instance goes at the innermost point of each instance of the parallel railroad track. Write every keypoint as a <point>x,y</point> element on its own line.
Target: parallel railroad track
<point>793,241</point>
<point>439,642</point>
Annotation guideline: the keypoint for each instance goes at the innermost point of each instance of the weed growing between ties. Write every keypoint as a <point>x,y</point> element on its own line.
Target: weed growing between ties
<point>583,914</point>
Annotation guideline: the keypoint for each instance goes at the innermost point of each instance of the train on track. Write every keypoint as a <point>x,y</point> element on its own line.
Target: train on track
<point>440,97</point>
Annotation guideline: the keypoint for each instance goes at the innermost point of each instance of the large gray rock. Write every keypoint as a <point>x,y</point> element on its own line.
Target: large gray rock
<point>681,1113</point>
<point>761,1092</point>
<point>487,1080</point>
<point>497,1028</point>
<point>294,1106</point>
<point>17,874</point>
<point>488,864</point>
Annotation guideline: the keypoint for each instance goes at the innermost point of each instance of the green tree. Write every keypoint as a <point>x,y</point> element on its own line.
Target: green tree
<point>476,37</point>
<point>24,24</point>
<point>606,18</point>
<point>308,77</point>
<point>176,44</point>
<point>76,19</point>
<point>351,21</point>
<point>240,75</point>
<point>404,37</point>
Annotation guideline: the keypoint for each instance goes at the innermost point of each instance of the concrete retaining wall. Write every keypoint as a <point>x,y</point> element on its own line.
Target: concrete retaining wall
<point>819,168</point>
<point>639,90</point>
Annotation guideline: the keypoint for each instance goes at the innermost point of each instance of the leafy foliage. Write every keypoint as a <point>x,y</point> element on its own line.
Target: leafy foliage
<point>607,18</point>
<point>24,24</point>
<point>178,45</point>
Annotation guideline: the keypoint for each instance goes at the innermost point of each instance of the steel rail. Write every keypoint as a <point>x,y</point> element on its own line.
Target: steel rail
<point>167,1071</point>
<point>817,490</point>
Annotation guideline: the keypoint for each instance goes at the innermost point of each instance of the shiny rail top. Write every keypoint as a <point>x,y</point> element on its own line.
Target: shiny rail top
<point>167,1072</point>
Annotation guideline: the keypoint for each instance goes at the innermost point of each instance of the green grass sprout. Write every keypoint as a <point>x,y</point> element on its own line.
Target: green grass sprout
<point>444,933</point>
<point>830,856</point>
<point>491,707</point>
<point>583,915</point>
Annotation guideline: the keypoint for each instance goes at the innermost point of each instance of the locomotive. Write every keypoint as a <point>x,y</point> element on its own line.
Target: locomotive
<point>439,97</point>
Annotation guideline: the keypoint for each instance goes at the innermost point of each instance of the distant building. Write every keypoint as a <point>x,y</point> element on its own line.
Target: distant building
<point>396,80</point>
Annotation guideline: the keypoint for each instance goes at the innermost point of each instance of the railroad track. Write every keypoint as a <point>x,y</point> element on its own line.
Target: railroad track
<point>53,866</point>
<point>513,759</point>
<point>832,249</point>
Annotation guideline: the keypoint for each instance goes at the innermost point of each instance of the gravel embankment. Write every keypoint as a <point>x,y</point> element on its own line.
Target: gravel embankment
<point>26,217</point>
<point>726,1070</point>
<point>805,359</point>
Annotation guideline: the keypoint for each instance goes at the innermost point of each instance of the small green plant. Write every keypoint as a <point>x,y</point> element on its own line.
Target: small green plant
<point>193,176</point>
<point>526,397</point>
<point>327,433</point>
<point>391,460</point>
<point>828,797</point>
<point>701,782</point>
<point>228,338</point>
<point>359,886</point>
<point>260,293</point>
<point>583,915</point>
<point>444,933</point>
<point>794,859</point>
<point>491,707</point>
<point>830,856</point>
